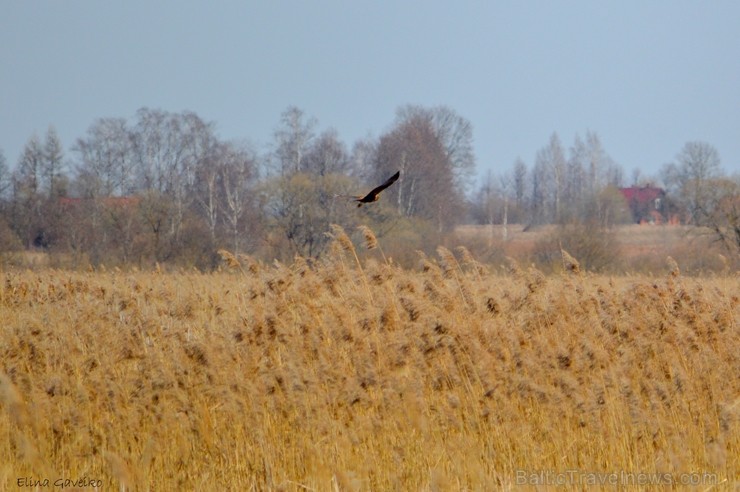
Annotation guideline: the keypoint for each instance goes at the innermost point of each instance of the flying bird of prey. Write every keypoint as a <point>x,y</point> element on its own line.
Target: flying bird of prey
<point>375,192</point>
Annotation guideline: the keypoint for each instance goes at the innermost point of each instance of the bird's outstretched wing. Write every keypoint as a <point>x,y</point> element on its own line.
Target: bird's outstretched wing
<point>373,195</point>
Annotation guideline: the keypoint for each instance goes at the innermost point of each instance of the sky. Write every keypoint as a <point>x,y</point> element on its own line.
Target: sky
<point>646,76</point>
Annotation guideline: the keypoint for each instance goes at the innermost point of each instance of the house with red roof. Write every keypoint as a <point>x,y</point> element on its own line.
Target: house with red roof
<point>647,204</point>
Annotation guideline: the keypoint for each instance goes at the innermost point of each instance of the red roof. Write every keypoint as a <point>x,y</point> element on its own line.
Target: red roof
<point>642,194</point>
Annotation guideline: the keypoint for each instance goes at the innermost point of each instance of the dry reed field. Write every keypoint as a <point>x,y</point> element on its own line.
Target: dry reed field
<point>354,374</point>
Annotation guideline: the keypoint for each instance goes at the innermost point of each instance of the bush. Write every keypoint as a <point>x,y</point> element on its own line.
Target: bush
<point>595,248</point>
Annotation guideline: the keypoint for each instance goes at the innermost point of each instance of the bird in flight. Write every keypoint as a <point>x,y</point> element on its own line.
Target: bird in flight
<point>375,192</point>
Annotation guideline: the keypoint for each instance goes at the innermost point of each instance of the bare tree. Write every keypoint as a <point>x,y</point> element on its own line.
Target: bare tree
<point>299,211</point>
<point>562,189</point>
<point>105,169</point>
<point>326,155</point>
<point>292,140</point>
<point>427,187</point>
<point>305,172</point>
<point>105,164</point>
<point>53,163</point>
<point>156,160</point>
<point>550,168</point>
<point>520,182</point>
<point>238,170</point>
<point>31,166</point>
<point>141,188</point>
<point>207,189</point>
<point>363,158</point>
<point>155,209</point>
<point>538,192</point>
<point>696,166</point>
<point>168,149</point>
<point>27,193</point>
<point>557,163</point>
<point>605,209</point>
<point>722,212</point>
<point>8,239</point>
<point>710,198</point>
<point>505,184</point>
<point>483,206</point>
<point>5,176</point>
<point>596,158</point>
<point>195,141</point>
<point>455,134</point>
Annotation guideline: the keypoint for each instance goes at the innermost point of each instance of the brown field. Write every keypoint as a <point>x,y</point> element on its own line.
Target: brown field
<point>634,240</point>
<point>634,248</point>
<point>359,375</point>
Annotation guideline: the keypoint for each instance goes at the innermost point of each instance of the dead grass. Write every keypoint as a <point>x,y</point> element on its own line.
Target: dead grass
<point>630,249</point>
<point>358,375</point>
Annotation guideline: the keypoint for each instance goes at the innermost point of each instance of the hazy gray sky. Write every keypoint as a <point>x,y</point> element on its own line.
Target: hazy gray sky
<point>647,76</point>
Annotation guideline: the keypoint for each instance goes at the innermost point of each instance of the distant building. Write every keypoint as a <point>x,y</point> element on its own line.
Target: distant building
<point>647,204</point>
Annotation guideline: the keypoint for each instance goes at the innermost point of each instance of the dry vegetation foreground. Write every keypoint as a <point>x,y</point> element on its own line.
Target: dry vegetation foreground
<point>363,376</point>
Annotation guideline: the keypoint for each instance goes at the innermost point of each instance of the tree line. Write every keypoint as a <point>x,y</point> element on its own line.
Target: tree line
<point>163,187</point>
<point>584,185</point>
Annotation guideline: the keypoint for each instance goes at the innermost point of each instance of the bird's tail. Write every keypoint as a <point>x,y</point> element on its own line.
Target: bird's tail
<point>351,197</point>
